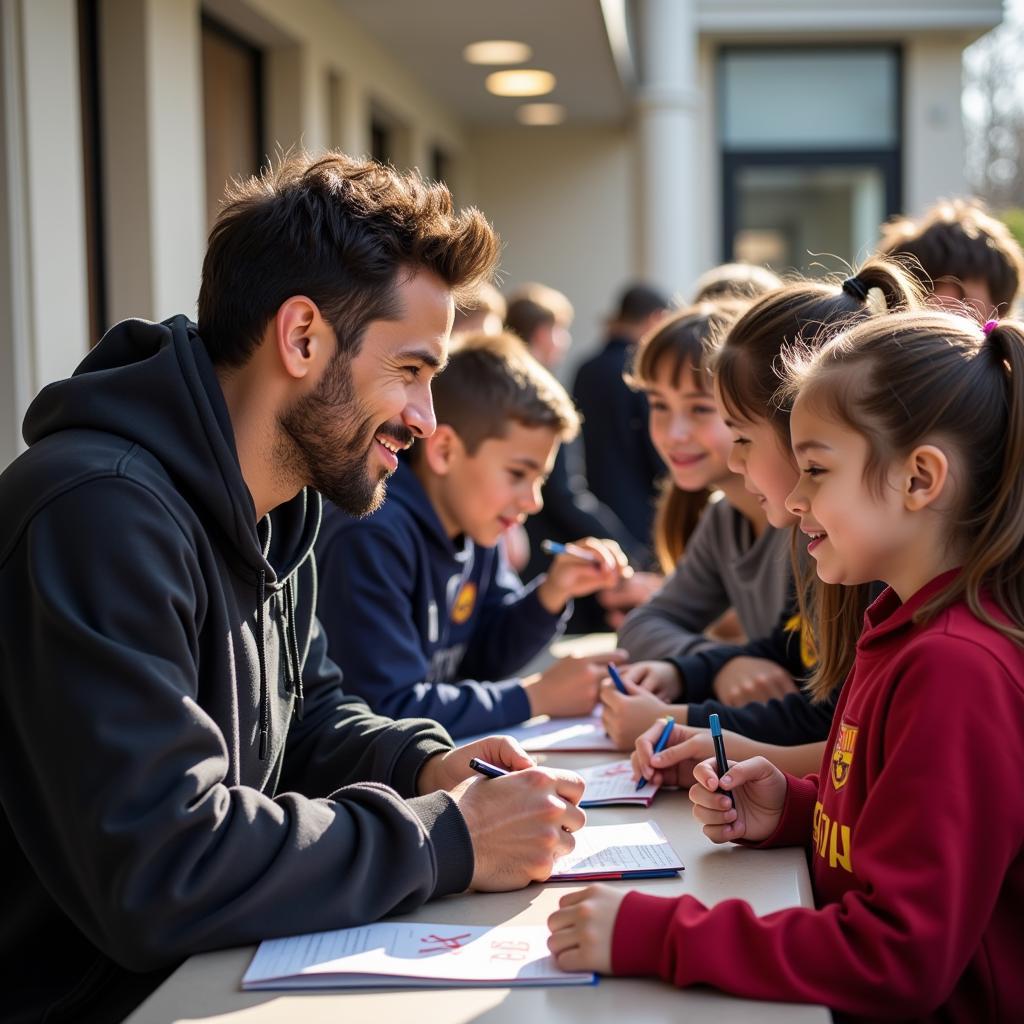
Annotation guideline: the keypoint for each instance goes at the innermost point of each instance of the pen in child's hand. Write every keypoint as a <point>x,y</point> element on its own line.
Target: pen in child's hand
<point>491,771</point>
<point>720,760</point>
<point>617,679</point>
<point>553,547</point>
<point>659,746</point>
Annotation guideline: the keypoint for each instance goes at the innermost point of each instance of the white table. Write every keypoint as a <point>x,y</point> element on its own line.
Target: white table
<point>206,988</point>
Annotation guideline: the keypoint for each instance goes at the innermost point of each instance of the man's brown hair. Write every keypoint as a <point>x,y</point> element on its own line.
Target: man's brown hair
<point>491,380</point>
<point>958,240</point>
<point>340,231</point>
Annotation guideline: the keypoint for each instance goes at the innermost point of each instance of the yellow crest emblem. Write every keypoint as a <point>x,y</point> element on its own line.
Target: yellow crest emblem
<point>842,754</point>
<point>463,607</point>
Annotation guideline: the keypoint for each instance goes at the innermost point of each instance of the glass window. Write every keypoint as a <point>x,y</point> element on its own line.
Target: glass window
<point>784,99</point>
<point>793,217</point>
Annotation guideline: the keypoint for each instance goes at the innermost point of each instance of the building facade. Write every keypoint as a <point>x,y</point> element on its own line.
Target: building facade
<point>779,132</point>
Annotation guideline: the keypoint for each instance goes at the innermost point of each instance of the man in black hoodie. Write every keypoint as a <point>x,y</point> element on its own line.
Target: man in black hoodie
<point>179,768</point>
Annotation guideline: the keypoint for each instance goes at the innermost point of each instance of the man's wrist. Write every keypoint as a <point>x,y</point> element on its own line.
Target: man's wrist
<point>427,780</point>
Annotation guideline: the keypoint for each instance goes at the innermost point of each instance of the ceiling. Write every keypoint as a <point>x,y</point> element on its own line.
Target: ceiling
<point>568,37</point>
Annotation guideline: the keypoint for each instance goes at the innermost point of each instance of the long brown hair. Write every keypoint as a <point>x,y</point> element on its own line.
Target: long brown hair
<point>909,377</point>
<point>678,345</point>
<point>747,369</point>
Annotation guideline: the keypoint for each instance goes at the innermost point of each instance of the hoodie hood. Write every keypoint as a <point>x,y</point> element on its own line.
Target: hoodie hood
<point>404,487</point>
<point>154,384</point>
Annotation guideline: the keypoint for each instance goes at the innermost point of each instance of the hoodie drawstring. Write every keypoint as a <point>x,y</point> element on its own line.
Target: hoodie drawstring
<point>261,596</point>
<point>292,643</point>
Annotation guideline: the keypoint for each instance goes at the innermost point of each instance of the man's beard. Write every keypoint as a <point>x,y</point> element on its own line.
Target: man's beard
<point>326,440</point>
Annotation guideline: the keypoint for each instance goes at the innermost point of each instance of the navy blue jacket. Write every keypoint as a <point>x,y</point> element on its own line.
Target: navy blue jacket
<point>415,619</point>
<point>623,466</point>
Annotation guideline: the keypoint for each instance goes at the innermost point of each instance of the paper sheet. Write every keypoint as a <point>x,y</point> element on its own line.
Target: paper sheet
<point>399,954</point>
<point>612,783</point>
<point>543,734</point>
<point>637,850</point>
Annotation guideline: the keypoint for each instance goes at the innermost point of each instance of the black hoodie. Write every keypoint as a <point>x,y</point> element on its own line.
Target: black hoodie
<point>154,638</point>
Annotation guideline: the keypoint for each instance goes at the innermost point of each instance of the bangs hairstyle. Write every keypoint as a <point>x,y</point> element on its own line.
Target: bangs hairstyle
<point>916,378</point>
<point>340,231</point>
<point>678,345</point>
<point>492,379</point>
<point>536,305</point>
<point>805,312</point>
<point>958,240</point>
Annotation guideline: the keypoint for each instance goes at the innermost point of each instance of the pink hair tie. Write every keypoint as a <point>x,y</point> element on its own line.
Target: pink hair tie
<point>990,326</point>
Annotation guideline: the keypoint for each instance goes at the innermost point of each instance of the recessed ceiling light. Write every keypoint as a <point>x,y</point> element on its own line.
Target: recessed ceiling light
<point>521,82</point>
<point>497,51</point>
<point>540,113</point>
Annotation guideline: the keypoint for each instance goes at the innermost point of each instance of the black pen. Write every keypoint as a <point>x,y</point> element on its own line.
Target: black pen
<point>720,760</point>
<point>491,771</point>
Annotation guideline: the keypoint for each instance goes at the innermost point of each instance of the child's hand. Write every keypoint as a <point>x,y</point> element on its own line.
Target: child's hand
<point>630,592</point>
<point>571,576</point>
<point>741,680</point>
<point>568,689</point>
<point>658,677</point>
<point>625,716</point>
<point>687,746</point>
<point>759,789</point>
<point>581,929</point>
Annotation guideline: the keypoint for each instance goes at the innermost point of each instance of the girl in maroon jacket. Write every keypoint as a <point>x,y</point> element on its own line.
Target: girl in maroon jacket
<point>909,431</point>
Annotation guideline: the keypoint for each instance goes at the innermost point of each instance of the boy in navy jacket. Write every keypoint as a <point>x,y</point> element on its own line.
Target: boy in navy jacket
<point>418,601</point>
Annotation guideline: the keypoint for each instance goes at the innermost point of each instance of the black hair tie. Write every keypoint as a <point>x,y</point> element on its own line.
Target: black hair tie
<point>855,286</point>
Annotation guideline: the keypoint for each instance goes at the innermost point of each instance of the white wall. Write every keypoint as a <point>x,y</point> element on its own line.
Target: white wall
<point>563,202</point>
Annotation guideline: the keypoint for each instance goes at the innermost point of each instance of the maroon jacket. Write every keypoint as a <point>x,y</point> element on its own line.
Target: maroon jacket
<point>914,831</point>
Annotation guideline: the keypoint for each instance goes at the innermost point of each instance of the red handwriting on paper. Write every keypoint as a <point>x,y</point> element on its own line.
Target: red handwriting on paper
<point>615,770</point>
<point>442,943</point>
<point>507,949</point>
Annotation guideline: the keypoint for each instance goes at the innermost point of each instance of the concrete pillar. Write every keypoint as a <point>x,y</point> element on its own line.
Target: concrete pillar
<point>667,110</point>
<point>43,278</point>
<point>154,186</point>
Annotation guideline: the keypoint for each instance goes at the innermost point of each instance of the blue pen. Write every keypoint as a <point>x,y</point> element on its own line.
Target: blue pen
<point>659,746</point>
<point>721,763</point>
<point>553,547</point>
<point>617,679</point>
<point>491,771</point>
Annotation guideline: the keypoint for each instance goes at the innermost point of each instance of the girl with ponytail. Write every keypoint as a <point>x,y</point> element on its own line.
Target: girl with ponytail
<point>909,433</point>
<point>746,369</point>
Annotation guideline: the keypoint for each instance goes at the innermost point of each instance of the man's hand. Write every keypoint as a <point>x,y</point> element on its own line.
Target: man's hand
<point>446,771</point>
<point>741,680</point>
<point>582,926</point>
<point>520,825</point>
<point>568,689</point>
<point>569,576</point>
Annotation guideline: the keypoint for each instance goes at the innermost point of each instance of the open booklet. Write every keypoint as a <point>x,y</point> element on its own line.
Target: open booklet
<point>613,783</point>
<point>543,734</point>
<point>410,955</point>
<point>637,850</point>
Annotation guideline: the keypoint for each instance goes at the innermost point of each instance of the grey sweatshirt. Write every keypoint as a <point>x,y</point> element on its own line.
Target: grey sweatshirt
<point>161,791</point>
<point>724,566</point>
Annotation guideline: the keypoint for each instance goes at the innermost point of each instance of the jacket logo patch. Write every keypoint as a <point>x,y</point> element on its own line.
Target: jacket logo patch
<point>464,604</point>
<point>842,754</point>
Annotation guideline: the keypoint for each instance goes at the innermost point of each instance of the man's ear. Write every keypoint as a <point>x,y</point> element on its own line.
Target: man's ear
<point>304,341</point>
<point>442,449</point>
<point>926,471</point>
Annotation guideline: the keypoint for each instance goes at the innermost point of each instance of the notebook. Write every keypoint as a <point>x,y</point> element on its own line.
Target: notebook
<point>613,783</point>
<point>636,850</point>
<point>410,955</point>
<point>544,734</point>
